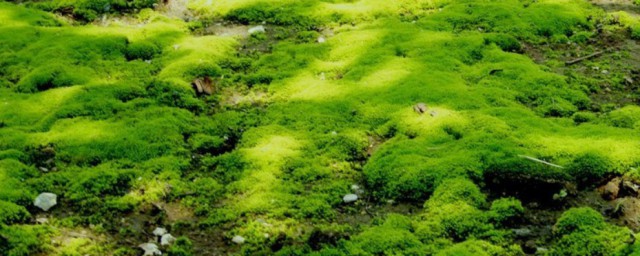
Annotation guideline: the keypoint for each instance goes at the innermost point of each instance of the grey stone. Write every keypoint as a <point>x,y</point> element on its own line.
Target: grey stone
<point>159,231</point>
<point>167,239</point>
<point>350,198</point>
<point>257,29</point>
<point>522,232</point>
<point>45,201</point>
<point>238,239</point>
<point>150,249</point>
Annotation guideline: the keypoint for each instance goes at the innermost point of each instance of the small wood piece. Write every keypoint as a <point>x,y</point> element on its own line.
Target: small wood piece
<point>203,85</point>
<point>578,60</point>
<point>208,85</point>
<point>420,108</point>
<point>541,161</point>
<point>197,85</point>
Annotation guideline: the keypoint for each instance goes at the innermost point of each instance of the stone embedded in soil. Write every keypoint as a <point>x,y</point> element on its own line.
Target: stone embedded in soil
<point>257,29</point>
<point>150,249</point>
<point>629,188</point>
<point>629,211</point>
<point>238,239</point>
<point>522,232</point>
<point>420,108</point>
<point>159,231</point>
<point>167,239</point>
<point>350,198</point>
<point>610,190</point>
<point>45,201</point>
<point>357,189</point>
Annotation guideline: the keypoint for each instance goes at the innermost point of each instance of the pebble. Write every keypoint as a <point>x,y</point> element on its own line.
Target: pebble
<point>238,239</point>
<point>45,201</point>
<point>522,232</point>
<point>150,249</point>
<point>159,231</point>
<point>257,29</point>
<point>350,198</point>
<point>167,239</point>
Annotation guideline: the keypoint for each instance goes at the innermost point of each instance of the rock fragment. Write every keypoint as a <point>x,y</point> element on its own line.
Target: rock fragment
<point>150,249</point>
<point>420,108</point>
<point>257,29</point>
<point>350,198</point>
<point>238,239</point>
<point>610,190</point>
<point>159,231</point>
<point>45,201</point>
<point>167,239</point>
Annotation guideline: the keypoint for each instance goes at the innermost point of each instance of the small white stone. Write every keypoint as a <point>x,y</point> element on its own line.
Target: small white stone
<point>350,198</point>
<point>238,239</point>
<point>257,29</point>
<point>45,201</point>
<point>321,40</point>
<point>355,187</point>
<point>159,231</point>
<point>150,249</point>
<point>42,220</point>
<point>167,239</point>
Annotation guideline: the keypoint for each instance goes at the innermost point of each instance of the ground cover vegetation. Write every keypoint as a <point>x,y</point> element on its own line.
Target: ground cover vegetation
<point>242,125</point>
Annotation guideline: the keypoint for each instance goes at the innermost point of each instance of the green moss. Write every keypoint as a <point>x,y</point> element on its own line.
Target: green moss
<point>288,130</point>
<point>583,117</point>
<point>506,211</point>
<point>456,190</point>
<point>384,240</point>
<point>478,247</point>
<point>23,240</point>
<point>141,50</point>
<point>583,231</point>
<point>11,213</point>
<point>578,219</point>
<point>626,117</point>
<point>457,221</point>
<point>590,167</point>
<point>49,77</point>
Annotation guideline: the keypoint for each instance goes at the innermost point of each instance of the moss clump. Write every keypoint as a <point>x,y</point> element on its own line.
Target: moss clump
<point>391,238</point>
<point>49,77</point>
<point>626,117</point>
<point>141,50</point>
<point>23,240</point>
<point>583,117</point>
<point>456,190</point>
<point>89,10</point>
<point>506,42</point>
<point>583,231</point>
<point>11,213</point>
<point>506,211</point>
<point>590,167</point>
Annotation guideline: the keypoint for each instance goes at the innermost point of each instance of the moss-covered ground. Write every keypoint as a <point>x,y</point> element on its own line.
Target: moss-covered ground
<point>452,120</point>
